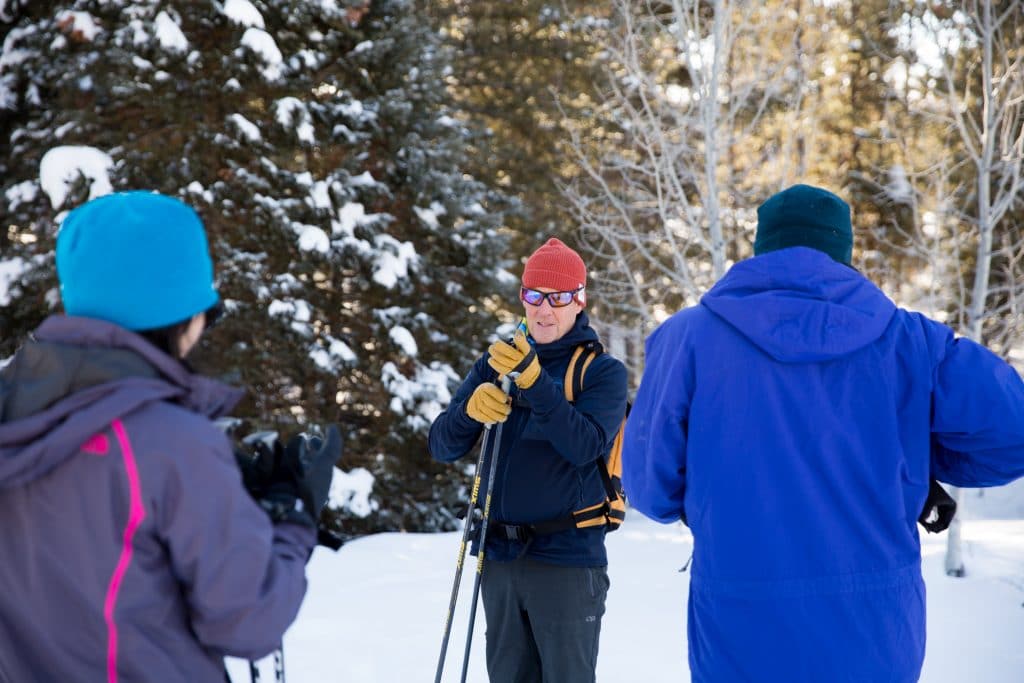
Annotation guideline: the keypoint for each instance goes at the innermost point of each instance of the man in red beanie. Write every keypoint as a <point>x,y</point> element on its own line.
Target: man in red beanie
<point>546,579</point>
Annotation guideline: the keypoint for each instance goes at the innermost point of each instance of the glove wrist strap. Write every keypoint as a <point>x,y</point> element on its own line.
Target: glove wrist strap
<point>524,363</point>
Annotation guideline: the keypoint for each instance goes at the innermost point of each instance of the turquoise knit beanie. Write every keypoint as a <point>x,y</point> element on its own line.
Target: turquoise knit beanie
<point>136,259</point>
<point>805,216</point>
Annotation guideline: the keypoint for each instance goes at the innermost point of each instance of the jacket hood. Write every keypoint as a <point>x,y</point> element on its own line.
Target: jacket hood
<point>73,377</point>
<point>799,306</point>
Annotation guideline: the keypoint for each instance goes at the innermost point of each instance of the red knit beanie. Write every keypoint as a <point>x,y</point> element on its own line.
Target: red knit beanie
<point>555,266</point>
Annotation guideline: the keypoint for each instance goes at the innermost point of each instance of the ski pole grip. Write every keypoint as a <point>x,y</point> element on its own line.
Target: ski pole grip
<point>506,386</point>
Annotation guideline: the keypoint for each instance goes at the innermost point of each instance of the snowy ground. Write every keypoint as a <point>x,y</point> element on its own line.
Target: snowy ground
<point>375,610</point>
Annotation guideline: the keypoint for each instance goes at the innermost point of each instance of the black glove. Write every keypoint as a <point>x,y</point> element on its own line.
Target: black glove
<point>291,483</point>
<point>329,538</point>
<point>939,509</point>
<point>258,457</point>
<point>312,461</point>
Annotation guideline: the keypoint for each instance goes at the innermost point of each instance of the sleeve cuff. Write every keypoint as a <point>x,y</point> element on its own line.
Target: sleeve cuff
<point>544,394</point>
<point>463,422</point>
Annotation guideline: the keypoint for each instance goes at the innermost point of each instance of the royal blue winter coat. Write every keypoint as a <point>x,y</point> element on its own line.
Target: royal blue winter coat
<point>129,549</point>
<point>547,456</point>
<point>794,417</point>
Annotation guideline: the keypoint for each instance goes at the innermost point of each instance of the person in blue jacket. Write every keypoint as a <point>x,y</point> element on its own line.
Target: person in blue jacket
<point>793,419</point>
<point>545,580</point>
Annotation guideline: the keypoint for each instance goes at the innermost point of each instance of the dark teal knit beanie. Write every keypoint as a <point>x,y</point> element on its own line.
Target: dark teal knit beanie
<point>805,216</point>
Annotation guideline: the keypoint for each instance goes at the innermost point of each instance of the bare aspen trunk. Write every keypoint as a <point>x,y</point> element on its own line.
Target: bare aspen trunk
<point>986,221</point>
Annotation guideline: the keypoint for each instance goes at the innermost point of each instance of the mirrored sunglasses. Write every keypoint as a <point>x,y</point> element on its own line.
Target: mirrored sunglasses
<point>556,299</point>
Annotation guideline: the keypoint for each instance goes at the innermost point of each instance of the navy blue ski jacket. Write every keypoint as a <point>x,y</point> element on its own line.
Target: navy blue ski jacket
<point>794,416</point>
<point>548,451</point>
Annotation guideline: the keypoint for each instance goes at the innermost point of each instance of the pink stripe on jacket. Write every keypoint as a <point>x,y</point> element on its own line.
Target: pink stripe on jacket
<point>136,513</point>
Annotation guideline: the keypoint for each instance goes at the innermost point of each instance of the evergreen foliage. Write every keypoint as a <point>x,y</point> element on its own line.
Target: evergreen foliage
<point>528,71</point>
<point>319,144</point>
<point>345,154</point>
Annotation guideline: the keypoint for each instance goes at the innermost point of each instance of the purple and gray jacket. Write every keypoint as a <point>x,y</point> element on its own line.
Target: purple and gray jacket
<point>130,550</point>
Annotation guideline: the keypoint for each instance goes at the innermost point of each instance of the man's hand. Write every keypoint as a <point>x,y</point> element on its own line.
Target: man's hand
<point>488,404</point>
<point>519,358</point>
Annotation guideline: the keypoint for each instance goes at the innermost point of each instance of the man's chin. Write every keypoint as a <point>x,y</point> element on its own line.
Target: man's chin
<point>545,336</point>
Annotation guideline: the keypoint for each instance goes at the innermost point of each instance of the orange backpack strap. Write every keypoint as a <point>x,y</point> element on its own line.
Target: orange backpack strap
<point>611,475</point>
<point>569,383</point>
<point>573,382</point>
<point>613,510</point>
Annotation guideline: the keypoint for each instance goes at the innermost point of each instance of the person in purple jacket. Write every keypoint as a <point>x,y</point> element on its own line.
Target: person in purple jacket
<point>793,419</point>
<point>130,549</point>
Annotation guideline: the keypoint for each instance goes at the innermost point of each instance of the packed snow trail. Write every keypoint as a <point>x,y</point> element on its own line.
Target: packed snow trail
<point>375,609</point>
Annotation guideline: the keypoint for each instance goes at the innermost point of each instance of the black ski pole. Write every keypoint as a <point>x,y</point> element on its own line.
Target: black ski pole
<point>506,386</point>
<point>254,669</point>
<point>466,531</point>
<point>279,664</point>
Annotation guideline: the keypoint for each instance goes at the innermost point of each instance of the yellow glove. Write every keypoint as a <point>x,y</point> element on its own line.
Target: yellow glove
<point>488,404</point>
<point>506,358</point>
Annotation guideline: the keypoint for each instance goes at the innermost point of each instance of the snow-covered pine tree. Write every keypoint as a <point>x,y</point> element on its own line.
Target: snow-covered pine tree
<point>316,140</point>
<point>528,70</point>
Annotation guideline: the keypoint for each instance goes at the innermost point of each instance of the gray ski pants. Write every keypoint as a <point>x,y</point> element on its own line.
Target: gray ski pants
<point>543,621</point>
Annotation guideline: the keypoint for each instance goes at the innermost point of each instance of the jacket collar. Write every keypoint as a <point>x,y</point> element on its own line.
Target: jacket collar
<point>68,354</point>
